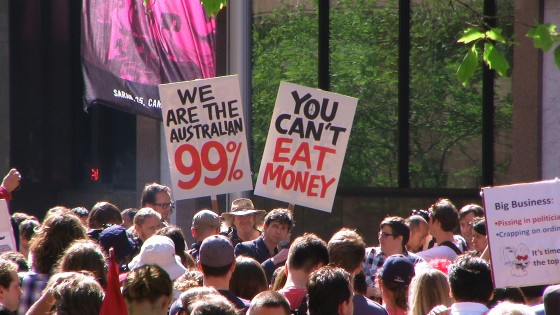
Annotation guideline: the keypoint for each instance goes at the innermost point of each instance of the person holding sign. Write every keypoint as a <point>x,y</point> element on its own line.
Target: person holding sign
<point>277,226</point>
<point>243,221</point>
<point>9,183</point>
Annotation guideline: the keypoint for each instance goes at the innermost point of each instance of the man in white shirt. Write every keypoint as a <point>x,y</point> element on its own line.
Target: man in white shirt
<point>471,286</point>
<point>444,219</point>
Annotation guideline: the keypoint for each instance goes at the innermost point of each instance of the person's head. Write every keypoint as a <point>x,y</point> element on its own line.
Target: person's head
<point>215,256</point>
<point>213,304</point>
<point>479,239</point>
<point>269,303</point>
<point>509,308</point>
<point>277,225</point>
<point>190,296</point>
<point>204,224</point>
<point>533,294</point>
<point>394,278</point>
<point>128,217</point>
<point>17,258</point>
<point>56,210</point>
<point>104,214</point>
<point>190,279</point>
<point>176,235</point>
<point>27,229</point>
<point>393,235</point>
<point>159,250</point>
<point>84,255</point>
<point>21,216</point>
<point>146,222</point>
<point>346,250</point>
<point>443,216</point>
<point>514,295</point>
<point>82,213</point>
<point>307,253</point>
<point>243,215</point>
<point>116,237</point>
<point>466,216</point>
<point>418,232</point>
<point>148,287</point>
<point>279,278</point>
<point>10,290</point>
<point>470,280</point>
<point>248,278</point>
<point>77,294</point>
<point>56,233</point>
<point>428,288</point>
<point>158,197</point>
<point>330,291</point>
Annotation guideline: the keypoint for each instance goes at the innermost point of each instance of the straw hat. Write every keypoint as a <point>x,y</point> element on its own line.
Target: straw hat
<point>243,206</point>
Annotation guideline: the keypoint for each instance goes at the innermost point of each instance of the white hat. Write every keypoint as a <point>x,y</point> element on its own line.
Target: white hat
<point>159,250</point>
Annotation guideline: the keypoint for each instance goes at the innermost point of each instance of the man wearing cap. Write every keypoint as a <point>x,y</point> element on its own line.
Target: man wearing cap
<point>217,262</point>
<point>204,223</point>
<point>393,236</point>
<point>116,237</point>
<point>394,278</point>
<point>277,226</point>
<point>243,221</point>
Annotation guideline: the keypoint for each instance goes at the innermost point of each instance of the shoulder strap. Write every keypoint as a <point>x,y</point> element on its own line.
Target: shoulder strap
<point>452,246</point>
<point>302,309</point>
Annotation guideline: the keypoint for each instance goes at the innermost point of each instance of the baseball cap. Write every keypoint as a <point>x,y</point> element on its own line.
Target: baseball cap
<point>397,269</point>
<point>216,251</point>
<point>205,219</point>
<point>116,236</point>
<point>159,250</point>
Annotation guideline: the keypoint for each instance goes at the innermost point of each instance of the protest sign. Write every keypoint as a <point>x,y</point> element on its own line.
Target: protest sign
<point>523,225</point>
<point>205,136</point>
<point>7,240</point>
<point>305,147</point>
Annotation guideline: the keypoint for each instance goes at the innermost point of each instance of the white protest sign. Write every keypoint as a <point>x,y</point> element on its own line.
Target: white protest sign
<point>7,240</point>
<point>305,146</point>
<point>523,224</point>
<point>205,136</point>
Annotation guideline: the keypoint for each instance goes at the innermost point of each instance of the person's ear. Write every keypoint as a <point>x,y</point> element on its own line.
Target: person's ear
<point>193,232</point>
<point>343,308</point>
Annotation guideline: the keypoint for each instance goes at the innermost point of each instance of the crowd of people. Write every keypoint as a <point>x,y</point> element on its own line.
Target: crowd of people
<point>245,261</point>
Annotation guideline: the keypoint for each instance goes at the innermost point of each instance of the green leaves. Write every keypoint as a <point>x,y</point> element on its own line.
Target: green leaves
<point>213,6</point>
<point>491,56</point>
<point>471,34</point>
<point>468,66</point>
<point>543,35</point>
<point>494,59</point>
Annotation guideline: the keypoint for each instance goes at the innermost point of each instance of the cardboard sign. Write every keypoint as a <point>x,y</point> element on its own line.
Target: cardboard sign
<point>7,240</point>
<point>305,148</point>
<point>523,225</point>
<point>205,137</point>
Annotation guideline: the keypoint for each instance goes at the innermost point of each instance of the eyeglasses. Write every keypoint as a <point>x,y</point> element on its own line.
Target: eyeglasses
<point>166,205</point>
<point>384,235</point>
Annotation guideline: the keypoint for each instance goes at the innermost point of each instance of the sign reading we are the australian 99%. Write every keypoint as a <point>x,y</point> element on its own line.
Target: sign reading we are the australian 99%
<point>205,136</point>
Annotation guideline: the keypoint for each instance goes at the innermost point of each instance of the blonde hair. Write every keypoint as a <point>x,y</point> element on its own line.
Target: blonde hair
<point>145,213</point>
<point>428,289</point>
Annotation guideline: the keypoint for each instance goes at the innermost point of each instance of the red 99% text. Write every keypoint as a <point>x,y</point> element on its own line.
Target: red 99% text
<point>213,158</point>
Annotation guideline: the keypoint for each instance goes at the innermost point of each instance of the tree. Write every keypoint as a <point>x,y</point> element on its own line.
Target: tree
<point>445,116</point>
